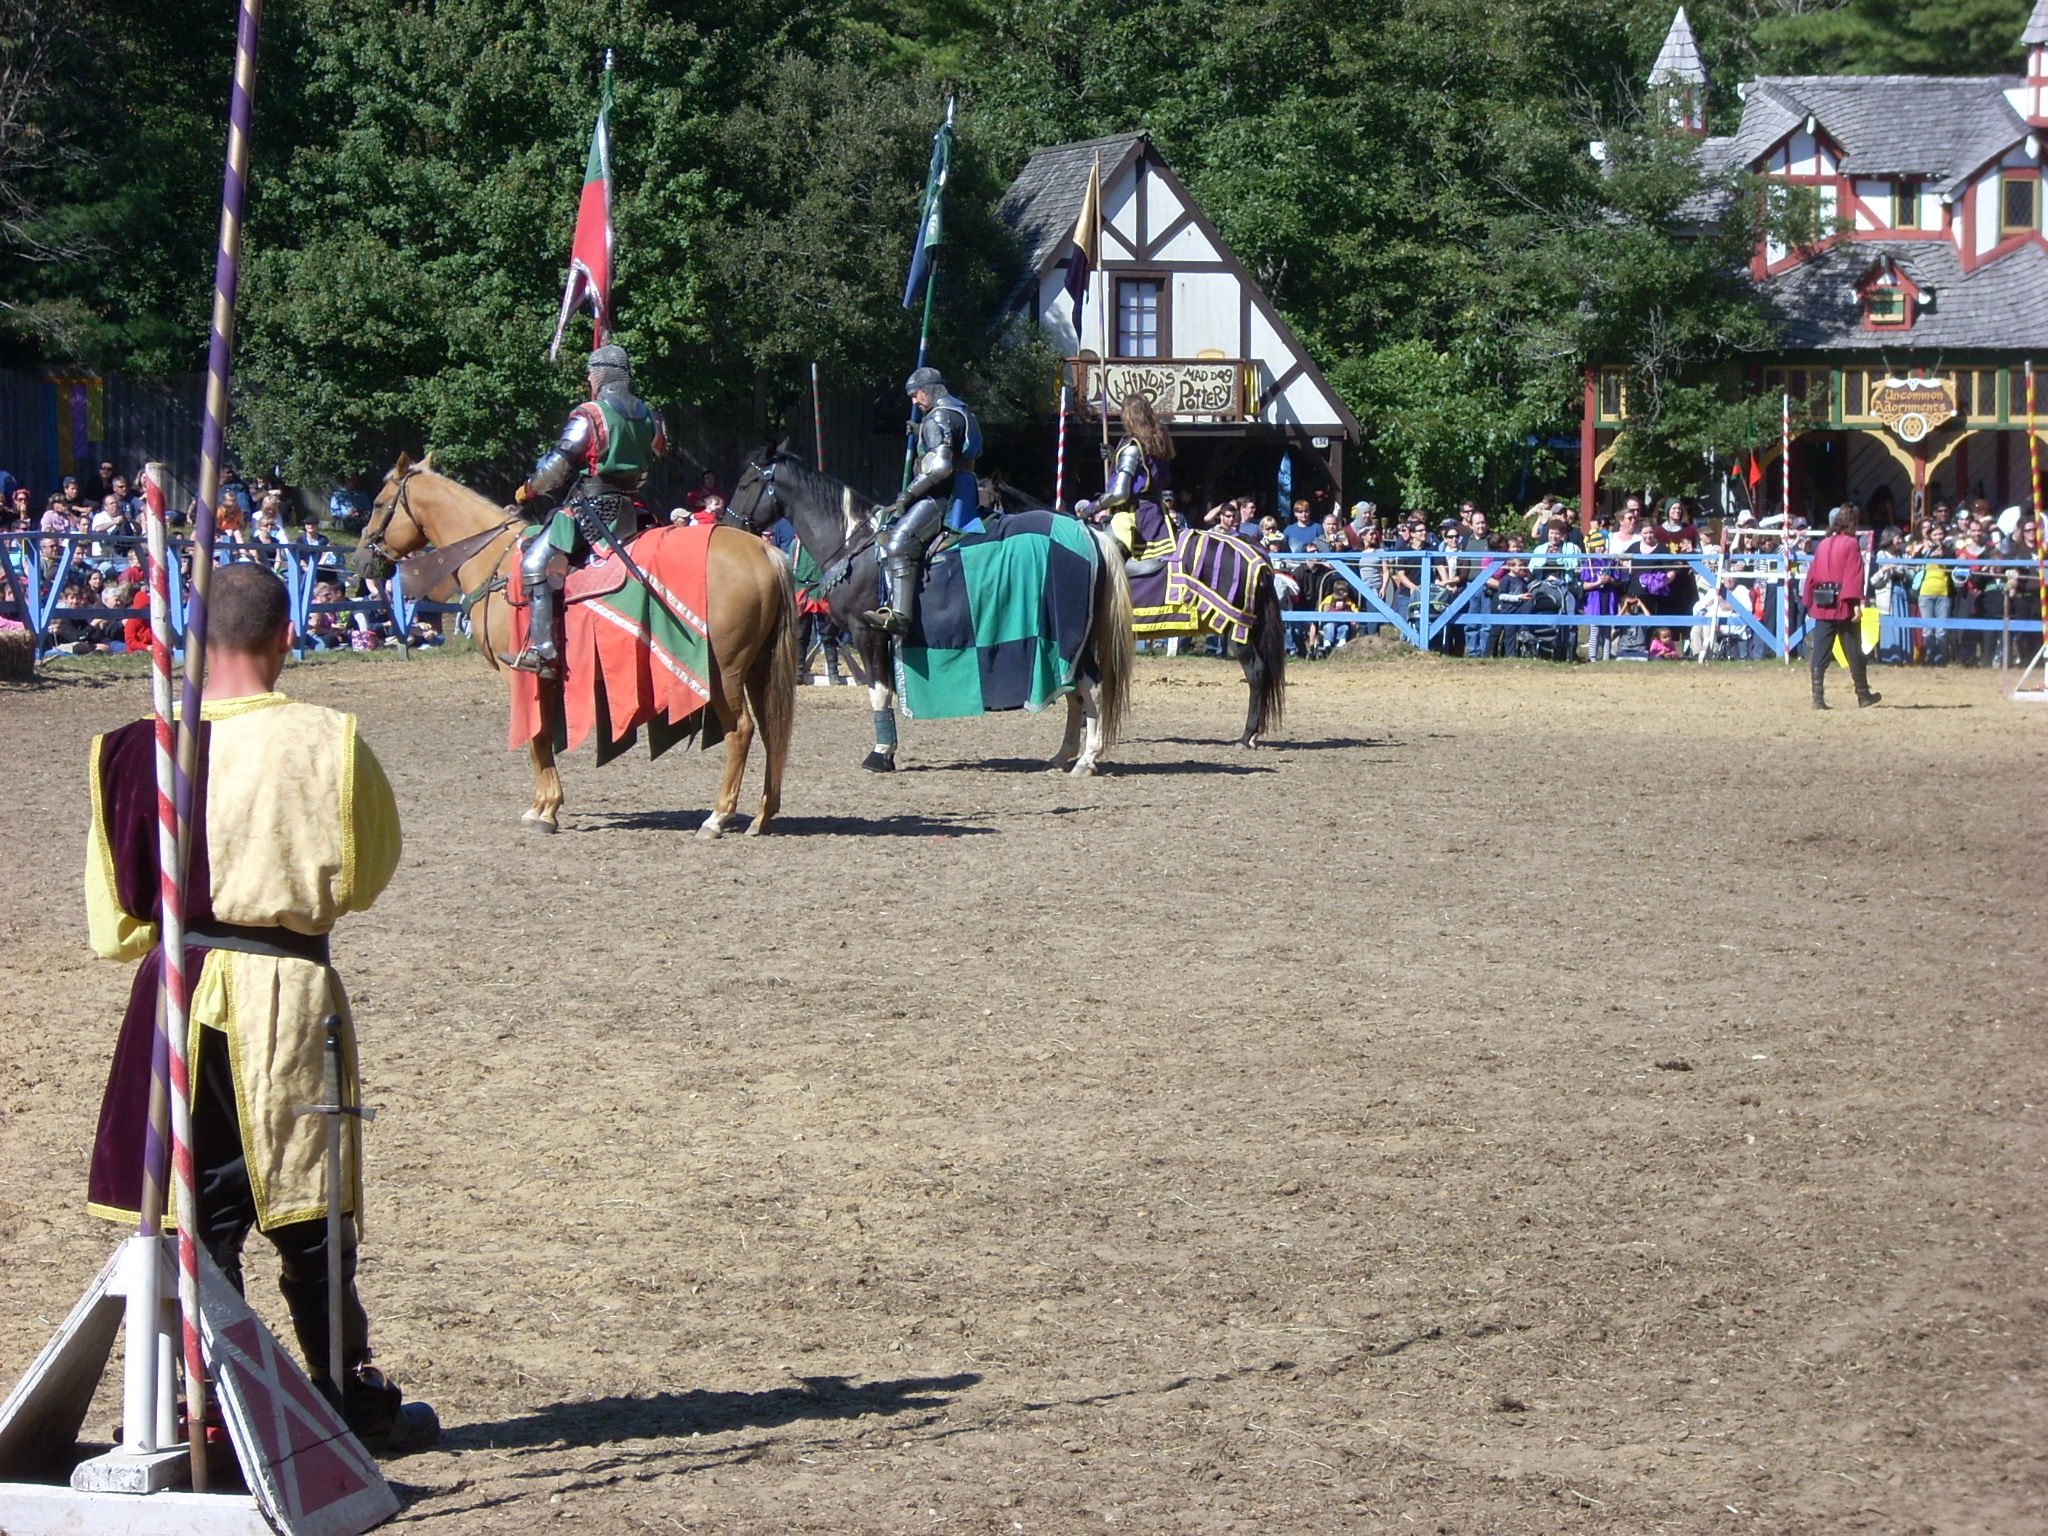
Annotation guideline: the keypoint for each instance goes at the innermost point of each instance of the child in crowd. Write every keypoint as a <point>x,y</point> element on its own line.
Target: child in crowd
<point>326,631</point>
<point>1338,598</point>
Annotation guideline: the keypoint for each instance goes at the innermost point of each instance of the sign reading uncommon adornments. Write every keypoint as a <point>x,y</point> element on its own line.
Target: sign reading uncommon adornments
<point>1913,407</point>
<point>1187,389</point>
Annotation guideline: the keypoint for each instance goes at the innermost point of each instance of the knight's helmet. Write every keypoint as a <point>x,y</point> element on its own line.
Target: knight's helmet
<point>926,378</point>
<point>611,367</point>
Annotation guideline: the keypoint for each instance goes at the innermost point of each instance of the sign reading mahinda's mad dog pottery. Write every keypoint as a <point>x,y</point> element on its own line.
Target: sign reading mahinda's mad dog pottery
<point>1188,390</point>
<point>1913,407</point>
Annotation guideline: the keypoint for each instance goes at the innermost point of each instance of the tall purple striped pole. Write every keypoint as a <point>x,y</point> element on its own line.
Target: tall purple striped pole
<point>227,272</point>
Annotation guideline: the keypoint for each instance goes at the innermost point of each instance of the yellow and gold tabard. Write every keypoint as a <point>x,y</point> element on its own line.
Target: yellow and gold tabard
<point>301,827</point>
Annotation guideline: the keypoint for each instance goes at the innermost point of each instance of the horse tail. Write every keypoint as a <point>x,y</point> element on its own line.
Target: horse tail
<point>775,713</point>
<point>1269,644</point>
<point>1116,641</point>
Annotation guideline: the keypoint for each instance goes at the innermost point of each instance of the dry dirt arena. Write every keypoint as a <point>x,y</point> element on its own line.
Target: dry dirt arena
<point>1519,1100</point>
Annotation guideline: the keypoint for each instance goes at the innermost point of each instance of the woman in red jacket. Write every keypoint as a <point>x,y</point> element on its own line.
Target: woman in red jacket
<point>1834,593</point>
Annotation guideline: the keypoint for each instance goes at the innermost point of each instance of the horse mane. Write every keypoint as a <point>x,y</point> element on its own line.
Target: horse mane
<point>818,485</point>
<point>458,491</point>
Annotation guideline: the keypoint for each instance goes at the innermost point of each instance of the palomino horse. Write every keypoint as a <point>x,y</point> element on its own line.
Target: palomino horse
<point>752,618</point>
<point>837,525</point>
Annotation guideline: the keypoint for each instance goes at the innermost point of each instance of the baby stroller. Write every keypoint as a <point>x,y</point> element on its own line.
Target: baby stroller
<point>1548,642</point>
<point>1445,639</point>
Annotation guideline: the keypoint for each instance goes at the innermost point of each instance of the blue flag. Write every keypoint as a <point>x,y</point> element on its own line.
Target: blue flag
<point>928,213</point>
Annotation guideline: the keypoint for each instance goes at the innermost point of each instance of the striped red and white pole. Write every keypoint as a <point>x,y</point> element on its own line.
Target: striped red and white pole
<point>1059,463</point>
<point>175,1014</point>
<point>2040,526</point>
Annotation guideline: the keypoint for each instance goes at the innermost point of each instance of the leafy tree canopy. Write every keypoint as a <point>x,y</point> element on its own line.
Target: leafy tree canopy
<point>1409,179</point>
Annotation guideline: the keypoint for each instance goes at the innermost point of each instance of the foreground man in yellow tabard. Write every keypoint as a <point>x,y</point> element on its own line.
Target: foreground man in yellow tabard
<point>293,824</point>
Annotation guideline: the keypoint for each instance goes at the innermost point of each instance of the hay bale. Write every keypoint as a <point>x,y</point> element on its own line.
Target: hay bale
<point>17,656</point>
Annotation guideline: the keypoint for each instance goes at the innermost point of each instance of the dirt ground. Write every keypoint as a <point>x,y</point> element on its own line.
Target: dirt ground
<point>1520,1100</point>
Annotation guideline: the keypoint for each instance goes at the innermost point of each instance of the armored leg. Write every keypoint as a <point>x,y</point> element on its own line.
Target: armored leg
<point>903,545</point>
<point>541,569</point>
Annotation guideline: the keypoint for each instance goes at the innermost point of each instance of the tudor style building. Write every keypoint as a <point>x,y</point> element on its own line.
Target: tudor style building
<point>1177,317</point>
<point>1907,334</point>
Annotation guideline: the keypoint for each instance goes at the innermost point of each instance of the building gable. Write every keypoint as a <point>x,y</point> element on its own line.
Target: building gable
<point>1205,305</point>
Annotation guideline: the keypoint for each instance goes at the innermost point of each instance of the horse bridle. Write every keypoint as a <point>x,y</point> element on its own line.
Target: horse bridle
<point>399,503</point>
<point>768,496</point>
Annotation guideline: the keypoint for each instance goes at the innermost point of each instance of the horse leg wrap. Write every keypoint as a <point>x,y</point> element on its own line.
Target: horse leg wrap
<point>885,730</point>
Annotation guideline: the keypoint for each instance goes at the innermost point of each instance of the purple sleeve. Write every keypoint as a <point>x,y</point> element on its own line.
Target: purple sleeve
<point>129,813</point>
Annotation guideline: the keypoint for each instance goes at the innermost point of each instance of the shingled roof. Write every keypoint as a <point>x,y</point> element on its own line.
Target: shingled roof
<point>1888,125</point>
<point>2002,306</point>
<point>1045,200</point>
<point>2037,25</point>
<point>1678,61</point>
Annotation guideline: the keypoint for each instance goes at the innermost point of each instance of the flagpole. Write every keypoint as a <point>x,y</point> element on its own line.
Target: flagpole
<point>817,419</point>
<point>931,283</point>
<point>602,329</point>
<point>1102,324</point>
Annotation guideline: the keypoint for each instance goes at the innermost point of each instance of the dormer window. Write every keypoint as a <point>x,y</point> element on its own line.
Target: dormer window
<point>2019,205</point>
<point>1887,306</point>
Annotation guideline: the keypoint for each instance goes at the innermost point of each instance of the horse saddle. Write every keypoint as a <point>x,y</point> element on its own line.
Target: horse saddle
<point>599,580</point>
<point>1151,567</point>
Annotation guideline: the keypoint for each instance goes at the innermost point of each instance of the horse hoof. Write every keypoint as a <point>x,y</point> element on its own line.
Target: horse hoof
<point>710,832</point>
<point>538,823</point>
<point>1086,770</point>
<point>757,827</point>
<point>879,762</point>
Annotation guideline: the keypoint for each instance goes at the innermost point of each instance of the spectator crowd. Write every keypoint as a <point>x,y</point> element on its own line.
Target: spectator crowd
<point>1635,583</point>
<point>87,537</point>
<point>1626,570</point>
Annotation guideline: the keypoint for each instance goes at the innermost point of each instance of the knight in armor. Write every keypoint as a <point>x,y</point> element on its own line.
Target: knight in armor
<point>944,494</point>
<point>603,455</point>
<point>1137,496</point>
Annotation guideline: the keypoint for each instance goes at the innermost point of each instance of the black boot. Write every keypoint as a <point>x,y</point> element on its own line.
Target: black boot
<point>898,615</point>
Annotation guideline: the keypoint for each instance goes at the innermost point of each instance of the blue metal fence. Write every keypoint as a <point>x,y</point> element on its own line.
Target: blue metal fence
<point>33,579</point>
<point>1422,623</point>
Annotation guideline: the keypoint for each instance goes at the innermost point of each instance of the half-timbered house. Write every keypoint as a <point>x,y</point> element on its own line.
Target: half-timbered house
<point>1170,312</point>
<point>1906,333</point>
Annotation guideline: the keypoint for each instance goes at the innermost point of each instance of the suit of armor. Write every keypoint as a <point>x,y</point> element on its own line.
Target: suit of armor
<point>944,494</point>
<point>606,448</point>
<point>1137,483</point>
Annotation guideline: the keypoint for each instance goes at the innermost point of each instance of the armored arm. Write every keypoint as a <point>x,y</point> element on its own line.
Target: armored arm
<point>560,464</point>
<point>936,468</point>
<point>1123,476</point>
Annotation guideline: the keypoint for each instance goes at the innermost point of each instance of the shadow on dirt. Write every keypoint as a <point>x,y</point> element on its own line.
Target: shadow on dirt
<point>1287,744</point>
<point>1114,768</point>
<point>785,826</point>
<point>669,1415</point>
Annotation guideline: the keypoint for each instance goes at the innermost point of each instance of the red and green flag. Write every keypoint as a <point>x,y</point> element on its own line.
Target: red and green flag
<point>590,253</point>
